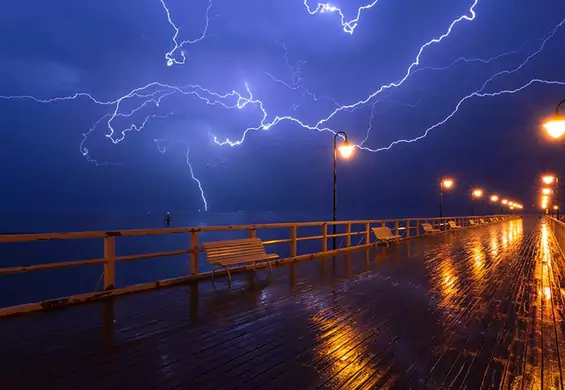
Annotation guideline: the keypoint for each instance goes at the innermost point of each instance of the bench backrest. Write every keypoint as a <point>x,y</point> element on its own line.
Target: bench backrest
<point>218,251</point>
<point>382,233</point>
<point>452,224</point>
<point>427,226</point>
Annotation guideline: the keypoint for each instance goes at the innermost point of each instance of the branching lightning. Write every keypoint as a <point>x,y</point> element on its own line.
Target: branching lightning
<point>481,94</point>
<point>139,104</point>
<point>348,26</point>
<point>170,56</point>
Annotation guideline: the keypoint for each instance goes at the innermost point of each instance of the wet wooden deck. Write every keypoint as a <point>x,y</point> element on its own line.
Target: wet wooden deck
<point>480,308</point>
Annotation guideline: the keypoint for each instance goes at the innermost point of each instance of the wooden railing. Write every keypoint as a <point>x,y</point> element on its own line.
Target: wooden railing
<point>352,234</point>
<point>558,229</point>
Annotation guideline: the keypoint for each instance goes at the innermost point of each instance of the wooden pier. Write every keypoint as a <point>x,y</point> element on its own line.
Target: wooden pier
<point>291,242</point>
<point>475,308</point>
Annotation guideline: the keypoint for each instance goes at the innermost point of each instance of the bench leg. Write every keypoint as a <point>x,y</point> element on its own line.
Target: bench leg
<point>254,271</point>
<point>229,274</point>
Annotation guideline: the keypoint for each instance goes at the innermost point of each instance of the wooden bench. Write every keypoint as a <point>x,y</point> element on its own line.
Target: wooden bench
<point>385,234</point>
<point>472,223</point>
<point>428,229</point>
<point>482,221</point>
<point>236,252</point>
<point>453,225</point>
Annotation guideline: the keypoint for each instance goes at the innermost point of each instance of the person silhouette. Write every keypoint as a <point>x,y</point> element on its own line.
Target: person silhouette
<point>168,218</point>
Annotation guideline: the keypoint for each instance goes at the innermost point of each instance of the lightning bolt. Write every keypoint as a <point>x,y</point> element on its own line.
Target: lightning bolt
<point>348,26</point>
<point>163,149</point>
<point>196,180</point>
<point>264,125</point>
<point>481,94</point>
<point>170,56</point>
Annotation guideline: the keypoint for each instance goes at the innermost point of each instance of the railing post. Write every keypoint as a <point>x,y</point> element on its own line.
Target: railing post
<point>368,232</point>
<point>324,237</point>
<point>396,227</point>
<point>348,238</point>
<point>407,228</point>
<point>293,241</point>
<point>110,264</point>
<point>194,252</point>
<point>418,228</point>
<point>252,233</point>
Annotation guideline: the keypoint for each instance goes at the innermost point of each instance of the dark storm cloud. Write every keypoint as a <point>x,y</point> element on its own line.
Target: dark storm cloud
<point>108,48</point>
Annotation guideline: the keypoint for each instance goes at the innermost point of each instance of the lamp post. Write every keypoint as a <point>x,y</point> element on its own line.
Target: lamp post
<point>503,203</point>
<point>555,127</point>
<point>446,183</point>
<point>493,198</point>
<point>477,194</point>
<point>346,150</point>
<point>552,179</point>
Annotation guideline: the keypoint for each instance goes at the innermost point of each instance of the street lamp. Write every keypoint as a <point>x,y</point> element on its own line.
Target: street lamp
<point>477,194</point>
<point>553,179</point>
<point>555,127</point>
<point>503,203</point>
<point>545,203</point>
<point>346,151</point>
<point>446,183</point>
<point>494,198</point>
<point>548,179</point>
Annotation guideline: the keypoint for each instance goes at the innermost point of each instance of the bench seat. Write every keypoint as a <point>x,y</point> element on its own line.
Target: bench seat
<point>385,234</point>
<point>236,252</point>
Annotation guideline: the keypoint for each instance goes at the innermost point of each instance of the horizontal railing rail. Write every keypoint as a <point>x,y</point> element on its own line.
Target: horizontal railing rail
<point>354,234</point>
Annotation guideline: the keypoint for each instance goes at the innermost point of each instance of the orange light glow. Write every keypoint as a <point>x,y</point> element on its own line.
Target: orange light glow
<point>547,293</point>
<point>555,127</point>
<point>548,179</point>
<point>447,183</point>
<point>546,191</point>
<point>346,150</point>
<point>555,207</point>
<point>494,198</point>
<point>477,193</point>
<point>504,201</point>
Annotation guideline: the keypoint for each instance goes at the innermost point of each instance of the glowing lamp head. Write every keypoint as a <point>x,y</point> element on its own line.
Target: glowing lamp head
<point>447,183</point>
<point>555,207</point>
<point>494,198</point>
<point>346,150</point>
<point>546,191</point>
<point>504,201</point>
<point>555,127</point>
<point>477,193</point>
<point>548,179</point>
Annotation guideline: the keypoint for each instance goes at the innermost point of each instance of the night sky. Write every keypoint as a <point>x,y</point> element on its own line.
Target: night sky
<point>107,49</point>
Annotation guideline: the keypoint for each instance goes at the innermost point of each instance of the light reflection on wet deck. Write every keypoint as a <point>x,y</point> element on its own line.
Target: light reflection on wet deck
<point>479,308</point>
